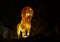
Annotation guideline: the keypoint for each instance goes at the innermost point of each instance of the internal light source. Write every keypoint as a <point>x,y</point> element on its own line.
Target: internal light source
<point>25,25</point>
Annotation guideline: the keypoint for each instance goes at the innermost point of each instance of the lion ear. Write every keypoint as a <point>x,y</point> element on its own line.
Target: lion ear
<point>22,15</point>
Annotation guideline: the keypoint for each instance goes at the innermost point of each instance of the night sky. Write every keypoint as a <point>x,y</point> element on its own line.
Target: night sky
<point>42,24</point>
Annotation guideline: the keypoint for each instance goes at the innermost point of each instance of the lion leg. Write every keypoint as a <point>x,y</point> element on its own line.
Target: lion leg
<point>28,32</point>
<point>24,33</point>
<point>18,31</point>
<point>19,35</point>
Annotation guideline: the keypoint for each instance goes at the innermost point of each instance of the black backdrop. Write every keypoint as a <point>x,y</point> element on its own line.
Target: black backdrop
<point>10,16</point>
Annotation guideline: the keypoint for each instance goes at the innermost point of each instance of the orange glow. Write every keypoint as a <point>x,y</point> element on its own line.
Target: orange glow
<point>25,24</point>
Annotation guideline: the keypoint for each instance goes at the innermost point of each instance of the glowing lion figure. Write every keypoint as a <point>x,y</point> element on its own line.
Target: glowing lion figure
<point>25,25</point>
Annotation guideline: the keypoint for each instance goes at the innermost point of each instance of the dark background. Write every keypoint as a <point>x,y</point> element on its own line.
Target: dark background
<point>44,25</point>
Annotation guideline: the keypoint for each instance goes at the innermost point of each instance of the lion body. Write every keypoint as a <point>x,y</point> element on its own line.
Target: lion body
<point>25,24</point>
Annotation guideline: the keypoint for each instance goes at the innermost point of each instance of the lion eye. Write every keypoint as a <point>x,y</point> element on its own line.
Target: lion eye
<point>28,14</point>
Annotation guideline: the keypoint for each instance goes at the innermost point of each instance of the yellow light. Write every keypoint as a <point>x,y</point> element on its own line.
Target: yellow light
<point>27,14</point>
<point>25,24</point>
